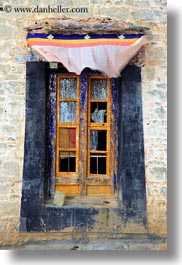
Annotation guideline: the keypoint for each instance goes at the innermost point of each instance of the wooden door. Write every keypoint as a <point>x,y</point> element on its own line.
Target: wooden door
<point>95,180</point>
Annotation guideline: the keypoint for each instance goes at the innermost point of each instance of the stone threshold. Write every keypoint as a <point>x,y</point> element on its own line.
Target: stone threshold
<point>87,201</point>
<point>136,243</point>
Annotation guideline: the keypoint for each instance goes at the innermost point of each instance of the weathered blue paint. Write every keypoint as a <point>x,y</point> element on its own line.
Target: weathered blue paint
<point>36,215</point>
<point>115,107</point>
<point>131,167</point>
<point>84,86</point>
<point>115,94</point>
<point>83,91</point>
<point>24,58</point>
<point>51,116</point>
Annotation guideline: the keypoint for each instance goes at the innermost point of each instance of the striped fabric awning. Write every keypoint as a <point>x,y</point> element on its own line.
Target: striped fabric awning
<point>108,53</point>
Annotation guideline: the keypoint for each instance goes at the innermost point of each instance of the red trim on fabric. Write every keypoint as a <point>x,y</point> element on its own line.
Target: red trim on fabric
<point>40,43</point>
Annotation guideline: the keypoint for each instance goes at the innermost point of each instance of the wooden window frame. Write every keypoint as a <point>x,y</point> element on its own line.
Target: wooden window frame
<point>100,126</point>
<point>76,183</point>
<point>68,125</point>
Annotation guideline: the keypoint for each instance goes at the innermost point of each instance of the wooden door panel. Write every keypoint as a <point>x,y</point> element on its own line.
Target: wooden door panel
<point>86,144</point>
<point>68,190</point>
<point>99,190</point>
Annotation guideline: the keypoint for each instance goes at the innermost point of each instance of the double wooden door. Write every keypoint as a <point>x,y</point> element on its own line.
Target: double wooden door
<point>83,155</point>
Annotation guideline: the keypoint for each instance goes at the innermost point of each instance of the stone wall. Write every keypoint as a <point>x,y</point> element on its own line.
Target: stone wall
<point>13,56</point>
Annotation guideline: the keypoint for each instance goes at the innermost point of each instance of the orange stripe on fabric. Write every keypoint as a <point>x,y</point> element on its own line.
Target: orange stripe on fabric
<point>75,45</point>
<point>84,40</point>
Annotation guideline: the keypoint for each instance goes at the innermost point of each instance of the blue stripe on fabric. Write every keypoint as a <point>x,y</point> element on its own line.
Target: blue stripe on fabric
<point>81,37</point>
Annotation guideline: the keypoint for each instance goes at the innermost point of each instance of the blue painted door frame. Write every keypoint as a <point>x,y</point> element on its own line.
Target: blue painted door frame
<point>129,179</point>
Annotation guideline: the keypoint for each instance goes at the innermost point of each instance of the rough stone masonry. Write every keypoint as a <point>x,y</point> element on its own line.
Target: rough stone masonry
<point>15,54</point>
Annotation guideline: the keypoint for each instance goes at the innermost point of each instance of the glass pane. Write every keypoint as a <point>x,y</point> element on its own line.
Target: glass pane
<point>101,165</point>
<point>67,162</point>
<point>98,164</point>
<point>98,140</point>
<point>98,112</point>
<point>98,89</point>
<point>67,138</point>
<point>68,88</point>
<point>68,111</point>
<point>93,165</point>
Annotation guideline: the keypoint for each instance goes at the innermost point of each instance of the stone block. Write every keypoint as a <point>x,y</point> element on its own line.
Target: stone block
<point>17,68</point>
<point>157,53</point>
<point>143,4</point>
<point>10,210</point>
<point>15,110</point>
<point>158,173</point>
<point>18,2</point>
<point>161,246</point>
<point>160,15</point>
<point>119,3</point>
<point>95,1</point>
<point>64,3</point>
<point>20,51</point>
<point>130,3</point>
<point>162,76</point>
<point>143,14</point>
<point>15,190</point>
<point>13,88</point>
<point>3,148</point>
<point>159,227</point>
<point>139,246</point>
<point>6,31</point>
<point>149,74</point>
<point>33,3</point>
<point>11,168</point>
<point>10,131</point>
<point>2,227</point>
<point>3,190</point>
<point>106,3</point>
<point>120,13</point>
<point>164,3</point>
<point>5,69</point>
<point>24,58</point>
<point>59,198</point>
<point>161,112</point>
<point>159,95</point>
<point>76,4</point>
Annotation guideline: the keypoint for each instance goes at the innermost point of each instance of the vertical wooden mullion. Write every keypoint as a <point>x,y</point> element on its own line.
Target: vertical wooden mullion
<point>84,189</point>
<point>83,108</point>
<point>88,138</point>
<point>108,153</point>
<point>88,163</point>
<point>108,127</point>
<point>89,122</point>
<point>109,102</point>
<point>57,123</point>
<point>77,126</point>
<point>97,165</point>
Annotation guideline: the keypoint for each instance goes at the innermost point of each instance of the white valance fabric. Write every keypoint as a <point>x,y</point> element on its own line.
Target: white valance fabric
<point>107,53</point>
